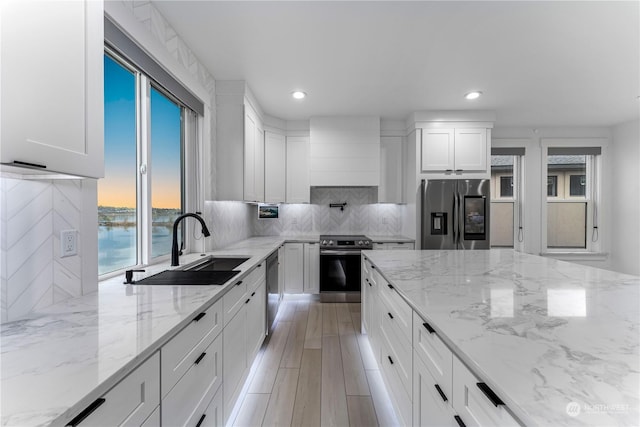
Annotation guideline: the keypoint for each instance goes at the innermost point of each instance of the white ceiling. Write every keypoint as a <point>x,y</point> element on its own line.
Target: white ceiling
<point>538,63</point>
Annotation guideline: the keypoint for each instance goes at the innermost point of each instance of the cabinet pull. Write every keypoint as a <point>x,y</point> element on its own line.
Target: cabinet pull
<point>201,420</point>
<point>87,411</point>
<point>369,283</point>
<point>448,170</point>
<point>459,170</point>
<point>459,420</point>
<point>33,165</point>
<point>253,293</point>
<point>490,394</point>
<point>428,327</point>
<point>442,395</point>
<point>247,301</point>
<point>199,316</point>
<point>390,285</point>
<point>199,359</point>
<point>390,359</point>
<point>239,283</point>
<point>259,265</point>
<point>373,266</point>
<point>390,315</point>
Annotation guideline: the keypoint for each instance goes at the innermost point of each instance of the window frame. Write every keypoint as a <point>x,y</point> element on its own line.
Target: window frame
<point>593,195</point>
<point>190,136</point>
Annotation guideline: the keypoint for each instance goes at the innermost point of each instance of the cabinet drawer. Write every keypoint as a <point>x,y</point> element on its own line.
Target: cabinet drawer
<point>434,353</point>
<point>180,352</point>
<point>131,401</point>
<point>429,405</point>
<point>472,404</point>
<point>234,299</point>
<point>153,420</point>
<point>256,277</point>
<point>195,388</point>
<point>399,396</point>
<point>400,310</point>
<point>209,412</point>
<point>398,347</point>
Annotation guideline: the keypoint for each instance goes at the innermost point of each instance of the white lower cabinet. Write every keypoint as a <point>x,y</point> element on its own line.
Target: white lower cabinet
<point>475,403</point>
<point>311,268</point>
<point>431,406</point>
<point>294,268</point>
<point>130,402</point>
<point>256,319</point>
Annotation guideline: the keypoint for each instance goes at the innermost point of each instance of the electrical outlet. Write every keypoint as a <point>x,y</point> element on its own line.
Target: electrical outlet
<point>68,243</point>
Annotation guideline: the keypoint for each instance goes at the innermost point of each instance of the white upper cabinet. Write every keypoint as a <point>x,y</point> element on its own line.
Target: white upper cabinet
<point>52,85</point>
<point>275,158</point>
<point>454,150</point>
<point>240,139</point>
<point>345,151</point>
<point>298,190</point>
<point>390,189</point>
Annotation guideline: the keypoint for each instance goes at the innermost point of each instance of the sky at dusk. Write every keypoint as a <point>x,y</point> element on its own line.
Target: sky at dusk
<point>118,188</point>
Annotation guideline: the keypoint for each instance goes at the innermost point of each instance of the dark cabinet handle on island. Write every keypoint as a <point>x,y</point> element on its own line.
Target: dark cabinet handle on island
<point>87,411</point>
<point>201,420</point>
<point>390,315</point>
<point>199,359</point>
<point>390,285</point>
<point>442,395</point>
<point>390,359</point>
<point>490,394</point>
<point>459,421</point>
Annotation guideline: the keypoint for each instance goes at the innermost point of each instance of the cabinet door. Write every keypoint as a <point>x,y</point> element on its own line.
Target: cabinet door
<point>470,150</point>
<point>311,268</point>
<point>132,400</point>
<point>281,263</point>
<point>52,85</point>
<point>256,320</point>
<point>431,407</point>
<point>438,150</point>
<point>298,170</point>
<point>294,268</point>
<point>234,358</point>
<point>275,156</point>
<point>258,164</point>
<point>472,405</point>
<point>250,129</point>
<point>390,189</point>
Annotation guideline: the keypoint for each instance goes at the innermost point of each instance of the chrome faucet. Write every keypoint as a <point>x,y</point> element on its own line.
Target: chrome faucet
<point>175,253</point>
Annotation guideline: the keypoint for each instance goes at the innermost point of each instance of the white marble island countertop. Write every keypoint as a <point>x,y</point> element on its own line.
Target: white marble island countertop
<point>542,333</point>
<point>55,362</point>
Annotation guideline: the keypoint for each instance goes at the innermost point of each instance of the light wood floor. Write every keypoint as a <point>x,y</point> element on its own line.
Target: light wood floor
<point>315,370</point>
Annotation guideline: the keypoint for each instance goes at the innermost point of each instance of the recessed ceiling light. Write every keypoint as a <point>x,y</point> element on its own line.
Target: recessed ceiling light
<point>298,94</point>
<point>473,95</point>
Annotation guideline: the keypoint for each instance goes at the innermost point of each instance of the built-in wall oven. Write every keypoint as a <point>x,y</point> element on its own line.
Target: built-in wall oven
<point>340,262</point>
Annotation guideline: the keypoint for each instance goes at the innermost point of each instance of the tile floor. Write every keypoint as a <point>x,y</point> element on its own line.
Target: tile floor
<point>316,369</point>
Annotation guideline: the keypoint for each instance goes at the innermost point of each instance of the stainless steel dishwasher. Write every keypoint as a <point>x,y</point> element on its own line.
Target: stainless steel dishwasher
<point>273,296</point>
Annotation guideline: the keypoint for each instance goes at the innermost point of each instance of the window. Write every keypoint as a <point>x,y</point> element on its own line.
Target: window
<point>143,191</point>
<point>571,198</point>
<point>506,217</point>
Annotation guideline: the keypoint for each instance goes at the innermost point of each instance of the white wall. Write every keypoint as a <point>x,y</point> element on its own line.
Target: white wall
<point>625,241</point>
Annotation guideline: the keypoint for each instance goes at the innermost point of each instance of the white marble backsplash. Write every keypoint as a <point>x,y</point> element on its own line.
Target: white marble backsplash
<point>32,215</point>
<point>228,222</point>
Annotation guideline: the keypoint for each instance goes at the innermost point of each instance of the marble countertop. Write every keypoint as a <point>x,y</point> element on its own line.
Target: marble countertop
<point>389,239</point>
<point>542,333</point>
<point>58,360</point>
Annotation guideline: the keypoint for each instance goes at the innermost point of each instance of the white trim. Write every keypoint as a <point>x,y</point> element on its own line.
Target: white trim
<point>577,256</point>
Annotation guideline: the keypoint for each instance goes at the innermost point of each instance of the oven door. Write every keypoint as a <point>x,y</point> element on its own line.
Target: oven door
<point>339,270</point>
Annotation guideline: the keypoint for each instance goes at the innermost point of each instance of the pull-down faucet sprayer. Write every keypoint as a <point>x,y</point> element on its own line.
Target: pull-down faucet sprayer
<point>175,253</point>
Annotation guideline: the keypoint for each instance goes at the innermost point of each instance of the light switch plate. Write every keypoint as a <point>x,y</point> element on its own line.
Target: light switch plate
<point>68,243</point>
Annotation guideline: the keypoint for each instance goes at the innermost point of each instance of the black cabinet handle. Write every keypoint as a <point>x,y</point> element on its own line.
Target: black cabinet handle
<point>259,265</point>
<point>490,394</point>
<point>373,266</point>
<point>390,285</point>
<point>390,359</point>
<point>448,170</point>
<point>239,283</point>
<point>390,315</point>
<point>247,301</point>
<point>369,283</point>
<point>253,293</point>
<point>199,359</point>
<point>459,420</point>
<point>428,327</point>
<point>201,420</point>
<point>459,170</point>
<point>442,395</point>
<point>87,411</point>
<point>199,316</point>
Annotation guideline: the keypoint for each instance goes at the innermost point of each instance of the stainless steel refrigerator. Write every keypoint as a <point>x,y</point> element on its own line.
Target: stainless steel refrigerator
<point>455,214</point>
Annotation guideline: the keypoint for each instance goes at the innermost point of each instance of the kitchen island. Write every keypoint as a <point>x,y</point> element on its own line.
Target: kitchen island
<point>558,342</point>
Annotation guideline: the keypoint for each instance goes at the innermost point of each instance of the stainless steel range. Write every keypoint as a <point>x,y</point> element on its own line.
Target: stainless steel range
<point>340,262</point>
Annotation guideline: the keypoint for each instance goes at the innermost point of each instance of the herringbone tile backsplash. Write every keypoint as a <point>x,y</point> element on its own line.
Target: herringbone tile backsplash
<point>32,274</point>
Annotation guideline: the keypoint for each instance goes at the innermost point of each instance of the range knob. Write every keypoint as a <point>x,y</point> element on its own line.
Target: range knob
<point>360,243</point>
<point>324,242</point>
<point>330,242</point>
<point>366,242</point>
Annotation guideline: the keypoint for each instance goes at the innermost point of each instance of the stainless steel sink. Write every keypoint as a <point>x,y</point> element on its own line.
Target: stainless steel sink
<point>214,263</point>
